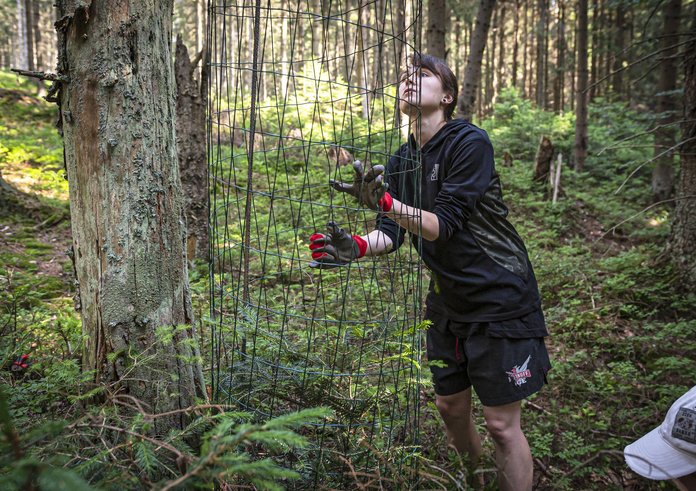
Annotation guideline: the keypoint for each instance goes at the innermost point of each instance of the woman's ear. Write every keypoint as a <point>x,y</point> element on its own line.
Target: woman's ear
<point>447,99</point>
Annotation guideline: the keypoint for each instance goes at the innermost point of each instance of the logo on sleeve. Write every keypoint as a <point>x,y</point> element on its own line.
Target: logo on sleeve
<point>433,176</point>
<point>520,373</point>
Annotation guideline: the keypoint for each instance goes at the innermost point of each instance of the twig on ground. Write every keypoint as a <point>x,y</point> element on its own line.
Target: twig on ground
<point>537,407</point>
<point>613,453</point>
<point>158,443</point>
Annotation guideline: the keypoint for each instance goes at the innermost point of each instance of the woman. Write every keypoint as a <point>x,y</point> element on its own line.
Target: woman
<point>483,302</point>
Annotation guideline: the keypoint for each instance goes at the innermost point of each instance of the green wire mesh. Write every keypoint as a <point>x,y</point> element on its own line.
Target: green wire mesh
<point>298,89</point>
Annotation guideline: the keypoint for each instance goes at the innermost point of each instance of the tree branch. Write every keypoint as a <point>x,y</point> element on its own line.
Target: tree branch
<point>640,60</point>
<point>53,77</point>
<point>665,152</point>
<point>679,198</point>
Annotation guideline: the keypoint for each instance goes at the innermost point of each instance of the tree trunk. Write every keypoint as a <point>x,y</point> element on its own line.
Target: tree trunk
<point>683,241</point>
<point>516,42</point>
<point>191,101</point>
<point>437,31</point>
<point>606,42</point>
<point>21,54</point>
<point>571,82</point>
<point>201,24</point>
<point>580,148</point>
<point>472,72</point>
<point>665,136</point>
<point>595,50</point>
<point>524,51</point>
<point>36,33</point>
<point>399,43</point>
<point>362,61</point>
<point>619,43</point>
<point>126,206</point>
<point>489,52</point>
<point>34,22</point>
<point>540,54</point>
<point>458,31</point>
<point>547,36</point>
<point>29,29</point>
<point>284,43</point>
<point>501,50</point>
<point>627,82</point>
<point>559,81</point>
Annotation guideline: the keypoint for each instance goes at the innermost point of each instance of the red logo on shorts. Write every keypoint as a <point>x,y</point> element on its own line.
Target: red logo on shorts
<point>520,373</point>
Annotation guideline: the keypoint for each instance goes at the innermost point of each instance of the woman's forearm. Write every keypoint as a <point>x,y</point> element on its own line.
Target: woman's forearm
<point>378,243</point>
<point>416,221</point>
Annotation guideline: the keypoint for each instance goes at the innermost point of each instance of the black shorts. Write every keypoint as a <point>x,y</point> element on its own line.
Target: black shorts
<point>505,361</point>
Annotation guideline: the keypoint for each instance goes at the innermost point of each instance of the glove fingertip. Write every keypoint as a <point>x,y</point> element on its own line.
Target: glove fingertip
<point>341,186</point>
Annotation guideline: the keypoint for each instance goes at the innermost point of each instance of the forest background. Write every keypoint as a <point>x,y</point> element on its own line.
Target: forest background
<point>614,251</point>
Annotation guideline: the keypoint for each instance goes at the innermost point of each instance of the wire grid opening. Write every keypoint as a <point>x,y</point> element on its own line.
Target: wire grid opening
<point>298,89</point>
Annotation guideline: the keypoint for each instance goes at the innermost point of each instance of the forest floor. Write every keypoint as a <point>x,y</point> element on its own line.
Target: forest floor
<point>623,335</point>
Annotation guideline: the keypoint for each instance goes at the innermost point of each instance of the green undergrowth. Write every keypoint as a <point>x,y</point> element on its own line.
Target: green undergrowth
<point>31,151</point>
<point>623,333</point>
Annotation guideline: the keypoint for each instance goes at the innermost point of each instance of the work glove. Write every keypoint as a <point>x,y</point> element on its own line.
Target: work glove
<point>368,187</point>
<point>337,248</point>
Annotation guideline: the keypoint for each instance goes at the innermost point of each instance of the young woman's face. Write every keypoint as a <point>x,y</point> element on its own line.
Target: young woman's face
<point>421,92</point>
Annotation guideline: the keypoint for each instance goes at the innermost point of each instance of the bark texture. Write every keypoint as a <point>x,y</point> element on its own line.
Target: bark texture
<point>516,41</point>
<point>472,72</point>
<point>500,82</point>
<point>665,136</point>
<point>559,77</point>
<point>580,148</point>
<point>437,28</point>
<point>118,116</point>
<point>542,161</point>
<point>541,27</point>
<point>21,52</point>
<point>619,43</point>
<point>28,22</point>
<point>683,241</point>
<point>191,101</point>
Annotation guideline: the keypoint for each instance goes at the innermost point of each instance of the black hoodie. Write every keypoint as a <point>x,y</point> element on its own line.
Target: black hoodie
<point>479,266</point>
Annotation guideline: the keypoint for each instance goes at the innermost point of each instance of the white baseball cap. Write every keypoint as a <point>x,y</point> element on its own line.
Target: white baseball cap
<point>668,451</point>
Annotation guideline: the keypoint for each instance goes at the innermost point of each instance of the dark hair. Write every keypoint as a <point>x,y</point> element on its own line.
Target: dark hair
<point>443,72</point>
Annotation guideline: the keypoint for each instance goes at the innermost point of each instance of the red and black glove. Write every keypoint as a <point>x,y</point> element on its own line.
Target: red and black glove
<point>368,187</point>
<point>21,363</point>
<point>337,248</point>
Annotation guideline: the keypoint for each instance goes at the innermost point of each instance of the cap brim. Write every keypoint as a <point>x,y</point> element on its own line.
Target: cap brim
<point>652,457</point>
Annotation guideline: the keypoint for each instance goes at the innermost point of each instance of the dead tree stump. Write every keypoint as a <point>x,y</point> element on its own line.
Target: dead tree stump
<point>542,162</point>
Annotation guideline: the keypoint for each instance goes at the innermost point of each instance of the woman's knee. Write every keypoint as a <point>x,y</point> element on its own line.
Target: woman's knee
<point>454,406</point>
<point>503,423</point>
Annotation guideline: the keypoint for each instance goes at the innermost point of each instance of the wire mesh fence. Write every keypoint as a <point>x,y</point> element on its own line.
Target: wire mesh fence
<point>298,90</point>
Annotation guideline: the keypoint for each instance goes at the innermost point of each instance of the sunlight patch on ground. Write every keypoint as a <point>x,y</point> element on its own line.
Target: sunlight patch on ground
<point>45,183</point>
